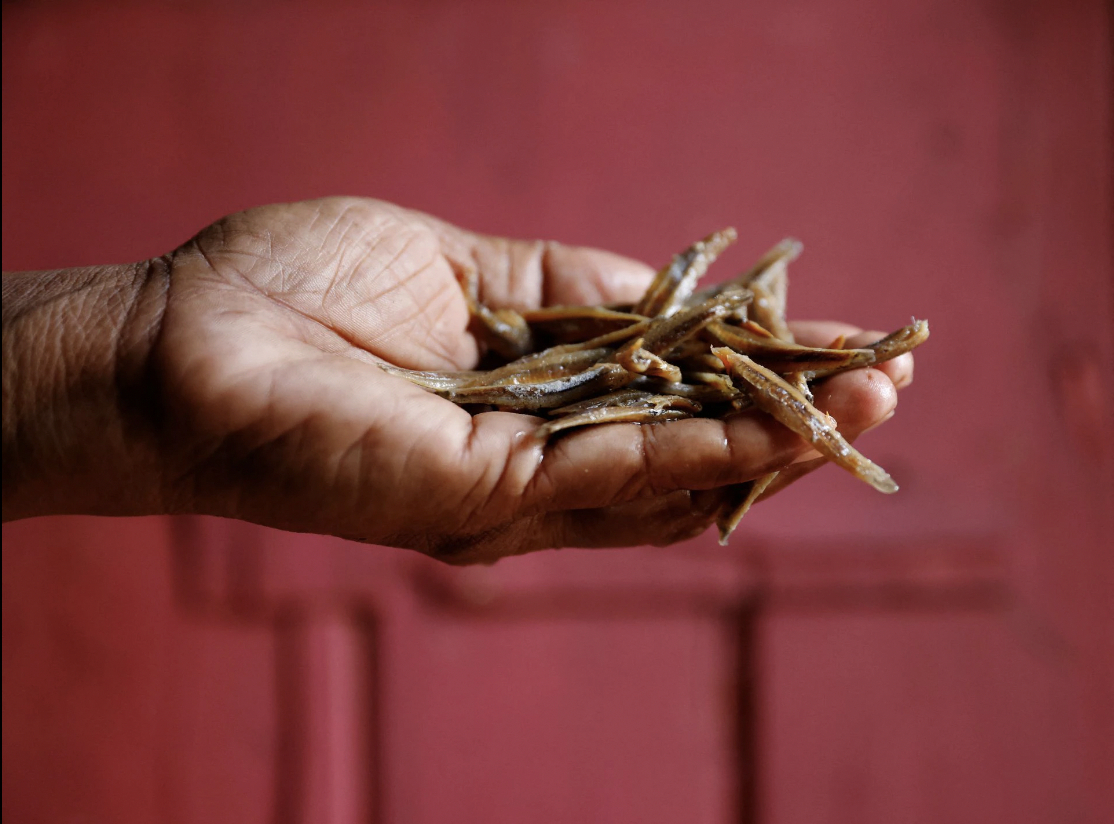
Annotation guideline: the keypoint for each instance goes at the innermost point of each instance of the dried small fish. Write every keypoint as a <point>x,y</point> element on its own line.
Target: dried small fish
<point>675,283</point>
<point>533,397</point>
<point>434,381</point>
<point>780,256</point>
<point>503,331</point>
<point>785,402</point>
<point>555,362</point>
<point>904,340</point>
<point>665,334</point>
<point>634,358</point>
<point>616,398</point>
<point>696,361</point>
<point>766,311</point>
<point>782,355</point>
<point>575,324</point>
<point>718,379</point>
<point>742,498</point>
<point>641,407</point>
<point>609,338</point>
<point>700,387</point>
<point>533,369</point>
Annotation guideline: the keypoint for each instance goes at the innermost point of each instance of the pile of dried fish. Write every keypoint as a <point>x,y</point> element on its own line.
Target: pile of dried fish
<point>677,353</point>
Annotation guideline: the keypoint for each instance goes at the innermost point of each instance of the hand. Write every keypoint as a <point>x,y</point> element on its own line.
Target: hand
<point>246,385</point>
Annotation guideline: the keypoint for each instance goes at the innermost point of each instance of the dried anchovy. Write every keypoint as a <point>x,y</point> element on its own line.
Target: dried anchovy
<point>773,394</point>
<point>665,334</point>
<point>533,397</point>
<point>698,388</point>
<point>674,283</point>
<point>433,381</point>
<point>905,339</point>
<point>779,257</point>
<point>676,353</point>
<point>554,362</point>
<point>780,354</point>
<point>766,310</point>
<point>743,497</point>
<point>619,397</point>
<point>575,324</point>
<point>532,369</point>
<point>628,407</point>
<point>504,331</point>
<point>635,358</point>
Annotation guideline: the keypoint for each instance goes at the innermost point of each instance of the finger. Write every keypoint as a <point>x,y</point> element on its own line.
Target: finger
<point>577,276</point>
<point>821,332</point>
<point>659,521</point>
<point>614,463</point>
<point>526,274</point>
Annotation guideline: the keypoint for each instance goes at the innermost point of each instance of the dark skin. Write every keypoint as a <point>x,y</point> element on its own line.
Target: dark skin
<point>237,376</point>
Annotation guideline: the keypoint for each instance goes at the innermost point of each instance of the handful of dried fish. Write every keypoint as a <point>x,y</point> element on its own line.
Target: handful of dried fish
<point>676,353</point>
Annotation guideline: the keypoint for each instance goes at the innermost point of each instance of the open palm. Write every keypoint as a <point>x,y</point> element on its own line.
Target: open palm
<point>275,410</point>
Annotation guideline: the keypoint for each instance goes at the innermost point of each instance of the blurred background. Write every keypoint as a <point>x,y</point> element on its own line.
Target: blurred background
<point>945,654</point>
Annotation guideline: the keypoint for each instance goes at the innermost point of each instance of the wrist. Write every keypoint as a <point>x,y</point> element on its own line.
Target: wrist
<point>79,418</point>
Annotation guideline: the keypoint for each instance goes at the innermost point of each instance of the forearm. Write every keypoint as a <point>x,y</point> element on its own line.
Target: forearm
<point>79,419</point>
